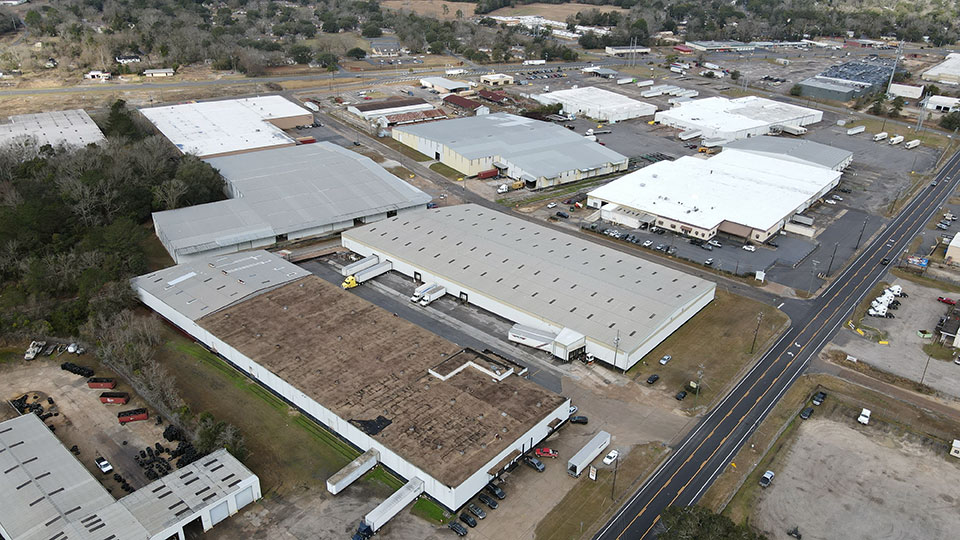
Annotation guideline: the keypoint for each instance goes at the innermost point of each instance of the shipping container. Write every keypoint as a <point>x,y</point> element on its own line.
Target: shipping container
<point>119,398</point>
<point>534,62</point>
<point>306,140</point>
<point>312,106</point>
<point>132,415</point>
<point>643,84</point>
<point>492,173</point>
<point>625,81</point>
<point>101,382</point>
<point>856,130</point>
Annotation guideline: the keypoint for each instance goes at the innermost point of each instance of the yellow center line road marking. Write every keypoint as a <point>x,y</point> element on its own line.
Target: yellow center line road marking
<point>907,221</point>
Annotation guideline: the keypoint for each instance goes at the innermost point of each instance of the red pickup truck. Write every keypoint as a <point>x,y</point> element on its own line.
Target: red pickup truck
<point>948,301</point>
<point>546,452</point>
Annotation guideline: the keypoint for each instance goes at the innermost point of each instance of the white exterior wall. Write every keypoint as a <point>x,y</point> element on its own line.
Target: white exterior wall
<point>451,497</point>
<point>204,514</point>
<point>608,353</point>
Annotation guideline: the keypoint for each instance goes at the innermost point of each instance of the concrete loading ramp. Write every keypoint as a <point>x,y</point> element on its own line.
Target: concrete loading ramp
<point>354,470</point>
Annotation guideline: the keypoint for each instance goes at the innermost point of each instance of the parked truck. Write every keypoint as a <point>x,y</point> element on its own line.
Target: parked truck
<point>896,140</point>
<point>581,461</point>
<point>365,275</point>
<point>362,264</point>
<point>880,136</point>
<point>534,62</point>
<point>418,292</point>
<point>435,292</point>
<point>311,105</point>
<point>912,144</point>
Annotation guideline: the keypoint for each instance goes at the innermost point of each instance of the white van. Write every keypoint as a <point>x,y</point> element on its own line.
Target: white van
<point>880,136</point>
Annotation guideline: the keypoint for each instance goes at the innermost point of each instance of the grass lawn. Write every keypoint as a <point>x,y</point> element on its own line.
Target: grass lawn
<point>426,509</point>
<point>585,504</point>
<point>938,351</point>
<point>156,254</point>
<point>449,172</point>
<point>9,354</point>
<point>288,451</point>
<point>405,150</point>
<point>719,338</point>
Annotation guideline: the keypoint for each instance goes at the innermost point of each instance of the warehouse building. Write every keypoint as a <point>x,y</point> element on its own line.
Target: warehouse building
<point>849,80</point>
<point>730,119</point>
<point>602,72</point>
<point>282,195</point>
<point>444,86</point>
<point>597,103</point>
<point>496,79</point>
<point>447,419</point>
<point>541,154</point>
<point>232,126</point>
<point>465,104</point>
<point>942,104</point>
<point>626,51</point>
<point>45,493</point>
<point>721,46</point>
<point>946,72</point>
<point>578,297</point>
<point>372,110</point>
<point>68,128</point>
<point>743,194</point>
<point>797,150</point>
<point>906,91</point>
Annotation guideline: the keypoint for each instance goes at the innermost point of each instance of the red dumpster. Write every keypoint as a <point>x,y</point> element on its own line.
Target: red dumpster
<point>132,415</point>
<point>101,382</point>
<point>120,398</point>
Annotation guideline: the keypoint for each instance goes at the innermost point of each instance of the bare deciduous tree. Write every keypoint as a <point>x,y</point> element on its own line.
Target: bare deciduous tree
<point>168,193</point>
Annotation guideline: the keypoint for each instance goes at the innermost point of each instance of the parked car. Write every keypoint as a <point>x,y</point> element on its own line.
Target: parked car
<point>468,519</point>
<point>563,215</point>
<point>103,465</point>
<point>830,201</point>
<point>805,414</point>
<point>488,500</point>
<point>680,395</point>
<point>844,190</point>
<point>457,528</point>
<point>660,247</point>
<point>552,205</point>
<point>819,397</point>
<point>948,301</point>
<point>864,417</point>
<point>666,358</point>
<point>707,247</point>
<point>766,479</point>
<point>653,378</point>
<point>772,244</point>
<point>573,409</point>
<point>749,247</point>
<point>611,457</point>
<point>431,205</point>
<point>496,491</point>
<point>836,197</point>
<point>476,510</point>
<point>534,464</point>
<point>647,243</point>
<point>546,452</point>
<point>884,261</point>
<point>708,262</point>
<point>578,419</point>
<point>942,227</point>
<point>715,243</point>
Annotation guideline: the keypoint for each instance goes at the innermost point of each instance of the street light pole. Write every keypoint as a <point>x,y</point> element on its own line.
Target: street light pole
<point>830,266</point>
<point>861,233</point>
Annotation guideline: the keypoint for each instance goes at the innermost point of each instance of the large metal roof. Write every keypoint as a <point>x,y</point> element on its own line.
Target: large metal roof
<point>285,190</point>
<point>723,115</point>
<point>206,286</point>
<point>558,278</point>
<point>539,148</point>
<point>793,149</point>
<point>72,128</point>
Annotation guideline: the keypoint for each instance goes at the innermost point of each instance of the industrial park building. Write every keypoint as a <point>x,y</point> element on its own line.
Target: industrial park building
<point>541,154</point>
<point>745,194</point>
<point>445,418</point>
<point>69,128</point>
<point>793,149</point>
<point>580,297</point>
<point>371,110</point>
<point>231,126</point>
<point>721,46</point>
<point>597,103</point>
<point>946,72</point>
<point>849,80</point>
<point>45,493</point>
<point>443,85</point>
<point>282,195</point>
<point>729,119</point>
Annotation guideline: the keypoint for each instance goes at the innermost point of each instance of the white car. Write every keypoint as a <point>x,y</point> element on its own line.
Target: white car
<point>836,197</point>
<point>611,457</point>
<point>749,247</point>
<point>574,409</point>
<point>104,465</point>
<point>864,417</point>
<point>666,358</point>
<point>830,201</point>
<point>715,243</point>
<point>552,205</point>
<point>647,243</point>
<point>766,479</point>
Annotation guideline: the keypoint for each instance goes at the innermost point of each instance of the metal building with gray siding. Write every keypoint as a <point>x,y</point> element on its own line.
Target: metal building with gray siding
<point>596,300</point>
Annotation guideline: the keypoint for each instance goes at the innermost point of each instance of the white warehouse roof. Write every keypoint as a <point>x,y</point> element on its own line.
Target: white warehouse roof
<point>212,128</point>
<point>597,103</point>
<point>71,128</point>
<point>794,149</point>
<point>282,191</point>
<point>736,118</point>
<point>741,187</point>
<point>563,280</point>
<point>540,148</point>
<point>947,71</point>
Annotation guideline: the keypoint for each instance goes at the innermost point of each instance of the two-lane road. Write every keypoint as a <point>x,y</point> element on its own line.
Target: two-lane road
<point>708,449</point>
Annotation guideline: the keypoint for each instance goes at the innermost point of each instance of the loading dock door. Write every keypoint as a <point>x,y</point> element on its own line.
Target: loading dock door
<point>219,513</point>
<point>245,497</point>
<point>463,297</point>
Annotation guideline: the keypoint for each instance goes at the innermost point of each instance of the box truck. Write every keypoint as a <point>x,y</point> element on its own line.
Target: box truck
<point>896,140</point>
<point>418,292</point>
<point>428,297</point>
<point>880,136</point>
<point>912,144</point>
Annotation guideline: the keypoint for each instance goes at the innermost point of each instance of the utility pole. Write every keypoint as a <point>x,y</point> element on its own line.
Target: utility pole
<point>861,233</point>
<point>830,266</point>
<point>613,487</point>
<point>755,332</point>
<point>925,369</point>
<point>896,60</point>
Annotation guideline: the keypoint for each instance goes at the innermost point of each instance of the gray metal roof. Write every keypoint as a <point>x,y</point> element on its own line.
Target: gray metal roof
<point>286,190</point>
<point>539,148</point>
<point>73,128</point>
<point>550,275</point>
<point>802,150</point>
<point>206,286</point>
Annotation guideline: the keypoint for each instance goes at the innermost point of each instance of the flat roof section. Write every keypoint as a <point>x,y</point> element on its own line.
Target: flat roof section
<point>206,286</point>
<point>370,368</point>
<point>742,187</point>
<point>573,283</point>
<point>948,70</point>
<point>721,114</point>
<point>390,103</point>
<point>793,149</point>
<point>599,103</point>
<point>71,128</point>
<point>539,148</point>
<point>213,128</point>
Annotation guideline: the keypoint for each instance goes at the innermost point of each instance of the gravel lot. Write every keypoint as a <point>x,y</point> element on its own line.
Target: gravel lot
<point>851,482</point>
